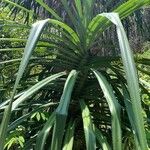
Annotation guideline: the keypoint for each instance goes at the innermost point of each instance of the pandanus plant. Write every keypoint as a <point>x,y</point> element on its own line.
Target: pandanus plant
<point>92,100</point>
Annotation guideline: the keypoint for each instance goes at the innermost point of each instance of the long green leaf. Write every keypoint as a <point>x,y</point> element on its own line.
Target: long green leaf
<point>69,137</point>
<point>35,33</point>
<point>62,111</point>
<point>114,109</point>
<point>131,76</point>
<point>51,11</point>
<point>17,122</point>
<point>100,24</point>
<point>77,22</point>
<point>87,11</point>
<point>125,95</point>
<point>3,104</point>
<point>70,14</point>
<point>69,30</point>
<point>13,39</point>
<point>101,139</point>
<point>14,60</point>
<point>16,5</point>
<point>11,49</point>
<point>146,84</point>
<point>130,6</point>
<point>35,88</point>
<point>79,8</point>
<point>144,71</point>
<point>88,127</point>
<point>130,114</point>
<point>42,136</point>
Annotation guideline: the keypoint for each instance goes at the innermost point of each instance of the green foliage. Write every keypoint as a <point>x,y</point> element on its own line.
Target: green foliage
<point>15,138</point>
<point>39,116</point>
<point>64,94</point>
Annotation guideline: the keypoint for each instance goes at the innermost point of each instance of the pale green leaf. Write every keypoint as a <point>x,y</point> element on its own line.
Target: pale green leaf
<point>88,127</point>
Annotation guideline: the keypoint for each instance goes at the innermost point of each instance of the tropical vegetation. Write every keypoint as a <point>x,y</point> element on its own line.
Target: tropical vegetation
<point>61,87</point>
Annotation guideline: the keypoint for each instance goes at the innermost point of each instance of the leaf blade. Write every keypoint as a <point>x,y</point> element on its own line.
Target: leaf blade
<point>69,137</point>
<point>88,127</point>
<point>62,111</point>
<point>35,33</point>
<point>131,77</point>
<point>114,109</point>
